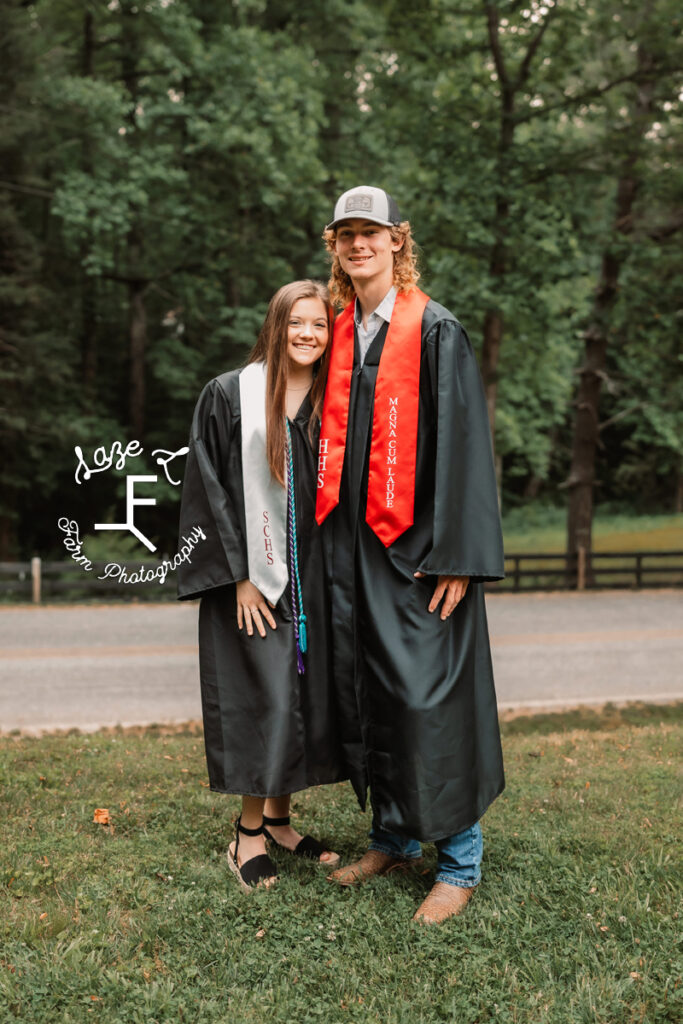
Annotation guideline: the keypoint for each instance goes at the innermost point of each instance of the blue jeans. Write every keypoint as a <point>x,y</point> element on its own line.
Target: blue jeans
<point>459,857</point>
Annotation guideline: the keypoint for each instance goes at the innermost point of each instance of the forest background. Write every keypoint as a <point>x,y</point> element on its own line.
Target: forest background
<point>166,166</point>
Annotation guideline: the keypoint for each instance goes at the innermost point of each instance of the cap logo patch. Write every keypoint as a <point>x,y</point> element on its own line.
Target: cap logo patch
<point>359,201</point>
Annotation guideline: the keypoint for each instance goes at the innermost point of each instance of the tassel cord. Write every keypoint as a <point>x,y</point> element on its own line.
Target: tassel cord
<point>298,614</point>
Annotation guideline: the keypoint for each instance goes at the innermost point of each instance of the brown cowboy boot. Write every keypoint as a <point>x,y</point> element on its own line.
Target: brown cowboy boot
<point>373,862</point>
<point>443,901</point>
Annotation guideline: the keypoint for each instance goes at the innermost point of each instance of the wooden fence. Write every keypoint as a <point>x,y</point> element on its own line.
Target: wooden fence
<point>37,580</point>
<point>597,570</point>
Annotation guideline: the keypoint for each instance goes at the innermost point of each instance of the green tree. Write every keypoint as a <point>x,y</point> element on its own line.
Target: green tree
<point>637,215</point>
<point>35,362</point>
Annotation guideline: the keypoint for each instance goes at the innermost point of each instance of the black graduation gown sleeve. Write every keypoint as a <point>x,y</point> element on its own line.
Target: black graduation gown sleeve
<point>466,534</point>
<point>210,499</point>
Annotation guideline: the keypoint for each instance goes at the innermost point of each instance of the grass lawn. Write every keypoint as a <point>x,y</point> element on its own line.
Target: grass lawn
<point>530,530</point>
<point>577,919</point>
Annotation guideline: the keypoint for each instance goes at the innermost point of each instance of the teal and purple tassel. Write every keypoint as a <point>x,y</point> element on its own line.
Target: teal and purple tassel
<point>298,616</point>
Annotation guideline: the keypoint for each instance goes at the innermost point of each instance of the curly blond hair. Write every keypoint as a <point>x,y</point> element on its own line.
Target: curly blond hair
<point>406,274</point>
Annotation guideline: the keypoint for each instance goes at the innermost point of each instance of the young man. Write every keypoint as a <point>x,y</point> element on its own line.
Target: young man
<point>407,493</point>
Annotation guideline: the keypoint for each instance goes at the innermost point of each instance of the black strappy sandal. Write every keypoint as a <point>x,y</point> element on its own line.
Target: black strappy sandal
<point>256,869</point>
<point>307,847</point>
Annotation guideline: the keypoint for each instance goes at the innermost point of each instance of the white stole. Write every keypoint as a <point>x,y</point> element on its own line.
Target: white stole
<point>265,499</point>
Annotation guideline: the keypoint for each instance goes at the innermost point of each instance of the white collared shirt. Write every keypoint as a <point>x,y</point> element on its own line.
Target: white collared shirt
<point>378,316</point>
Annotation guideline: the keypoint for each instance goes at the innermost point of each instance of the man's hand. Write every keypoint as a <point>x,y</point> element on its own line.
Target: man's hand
<point>453,587</point>
<point>252,608</point>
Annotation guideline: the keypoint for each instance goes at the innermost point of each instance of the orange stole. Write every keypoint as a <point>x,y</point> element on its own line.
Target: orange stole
<point>393,447</point>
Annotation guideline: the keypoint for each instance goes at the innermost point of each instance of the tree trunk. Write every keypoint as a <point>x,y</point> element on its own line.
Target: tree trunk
<point>137,319</point>
<point>88,304</point>
<point>137,346</point>
<point>494,326</point>
<point>581,482</point>
<point>493,336</point>
<point>6,538</point>
<point>532,487</point>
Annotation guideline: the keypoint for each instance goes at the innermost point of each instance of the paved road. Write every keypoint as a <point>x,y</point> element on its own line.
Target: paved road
<point>88,666</point>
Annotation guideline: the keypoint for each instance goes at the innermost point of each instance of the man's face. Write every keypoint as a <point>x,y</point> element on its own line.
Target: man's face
<point>366,250</point>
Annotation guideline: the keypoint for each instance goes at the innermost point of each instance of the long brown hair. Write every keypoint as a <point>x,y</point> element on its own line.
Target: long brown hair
<point>271,349</point>
<point>406,274</point>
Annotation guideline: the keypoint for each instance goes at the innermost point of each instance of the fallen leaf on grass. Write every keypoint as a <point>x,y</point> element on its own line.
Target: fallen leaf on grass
<point>102,816</point>
<point>646,821</point>
<point>43,916</point>
<point>604,928</point>
<point>260,933</point>
<point>634,974</point>
<point>569,760</point>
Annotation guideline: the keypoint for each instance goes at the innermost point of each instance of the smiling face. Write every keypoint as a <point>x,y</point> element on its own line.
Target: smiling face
<point>307,333</point>
<point>366,251</point>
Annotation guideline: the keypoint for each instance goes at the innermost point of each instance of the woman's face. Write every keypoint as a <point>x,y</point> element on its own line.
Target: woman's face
<point>307,333</point>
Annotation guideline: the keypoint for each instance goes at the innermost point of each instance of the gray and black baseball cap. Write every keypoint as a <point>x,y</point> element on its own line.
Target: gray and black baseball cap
<point>368,203</point>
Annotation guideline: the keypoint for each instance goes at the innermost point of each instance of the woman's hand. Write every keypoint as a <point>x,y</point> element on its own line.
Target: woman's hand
<point>454,589</point>
<point>252,608</point>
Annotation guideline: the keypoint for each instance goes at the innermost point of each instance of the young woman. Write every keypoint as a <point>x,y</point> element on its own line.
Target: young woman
<point>264,649</point>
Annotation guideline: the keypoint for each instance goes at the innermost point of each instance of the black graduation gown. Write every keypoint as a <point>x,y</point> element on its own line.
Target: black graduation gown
<point>418,712</point>
<point>267,730</point>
